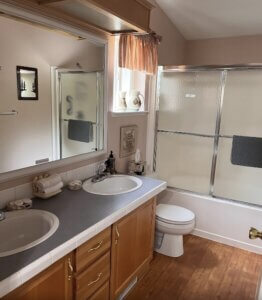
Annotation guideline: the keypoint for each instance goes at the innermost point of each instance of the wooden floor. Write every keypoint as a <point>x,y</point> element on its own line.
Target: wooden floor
<point>207,270</point>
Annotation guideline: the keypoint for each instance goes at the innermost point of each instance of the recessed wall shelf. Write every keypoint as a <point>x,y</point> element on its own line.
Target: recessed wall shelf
<point>127,113</point>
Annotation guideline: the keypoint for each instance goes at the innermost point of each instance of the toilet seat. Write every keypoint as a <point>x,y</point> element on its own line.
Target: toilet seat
<point>173,214</point>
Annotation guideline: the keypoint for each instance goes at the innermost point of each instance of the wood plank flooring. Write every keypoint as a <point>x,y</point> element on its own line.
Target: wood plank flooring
<point>207,271</point>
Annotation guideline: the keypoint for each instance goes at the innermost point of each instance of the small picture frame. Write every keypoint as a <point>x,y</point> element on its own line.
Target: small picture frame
<point>128,140</point>
<point>27,83</point>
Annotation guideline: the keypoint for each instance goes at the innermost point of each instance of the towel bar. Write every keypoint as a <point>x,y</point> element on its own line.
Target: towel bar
<point>9,113</point>
<point>66,120</point>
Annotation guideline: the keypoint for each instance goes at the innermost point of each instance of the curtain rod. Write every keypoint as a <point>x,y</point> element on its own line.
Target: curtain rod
<point>131,33</point>
<point>152,33</point>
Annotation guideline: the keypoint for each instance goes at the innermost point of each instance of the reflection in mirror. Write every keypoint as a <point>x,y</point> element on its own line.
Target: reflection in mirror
<point>80,95</point>
<point>66,75</point>
<point>27,83</point>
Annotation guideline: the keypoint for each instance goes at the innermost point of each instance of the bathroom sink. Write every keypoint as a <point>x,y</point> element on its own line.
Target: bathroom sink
<point>24,229</point>
<point>113,185</point>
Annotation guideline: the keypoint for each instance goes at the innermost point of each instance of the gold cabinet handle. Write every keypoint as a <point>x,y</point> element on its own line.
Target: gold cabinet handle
<point>117,235</point>
<point>71,269</point>
<point>96,247</point>
<point>254,233</point>
<point>96,280</point>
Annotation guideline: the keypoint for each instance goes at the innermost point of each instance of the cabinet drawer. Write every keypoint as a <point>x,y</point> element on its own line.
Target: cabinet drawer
<point>102,293</point>
<point>92,249</point>
<point>92,278</point>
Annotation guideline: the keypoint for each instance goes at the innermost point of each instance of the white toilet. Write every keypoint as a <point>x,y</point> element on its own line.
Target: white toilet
<point>172,222</point>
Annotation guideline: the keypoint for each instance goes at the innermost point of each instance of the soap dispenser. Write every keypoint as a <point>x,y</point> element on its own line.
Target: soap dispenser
<point>110,163</point>
<point>137,156</point>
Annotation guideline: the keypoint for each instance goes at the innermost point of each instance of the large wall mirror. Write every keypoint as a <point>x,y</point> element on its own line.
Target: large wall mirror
<point>65,74</point>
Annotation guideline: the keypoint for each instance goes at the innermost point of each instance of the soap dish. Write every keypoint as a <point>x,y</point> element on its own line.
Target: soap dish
<point>75,185</point>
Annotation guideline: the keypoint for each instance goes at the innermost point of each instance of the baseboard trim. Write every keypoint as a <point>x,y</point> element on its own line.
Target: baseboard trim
<point>227,241</point>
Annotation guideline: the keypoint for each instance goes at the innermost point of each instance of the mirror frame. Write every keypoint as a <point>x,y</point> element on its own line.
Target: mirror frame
<point>19,88</point>
<point>17,12</point>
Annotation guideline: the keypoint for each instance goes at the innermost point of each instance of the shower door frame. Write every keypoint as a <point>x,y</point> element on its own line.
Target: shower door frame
<point>57,110</point>
<point>182,69</point>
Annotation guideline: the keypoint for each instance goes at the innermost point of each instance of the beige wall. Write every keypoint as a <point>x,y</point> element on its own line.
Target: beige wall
<point>171,49</point>
<point>235,50</point>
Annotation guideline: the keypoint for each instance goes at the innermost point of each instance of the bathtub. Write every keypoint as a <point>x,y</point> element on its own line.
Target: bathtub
<point>224,221</point>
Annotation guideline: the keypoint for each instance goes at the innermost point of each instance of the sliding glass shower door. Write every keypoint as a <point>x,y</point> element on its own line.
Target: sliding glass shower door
<point>241,116</point>
<point>209,132</point>
<point>188,106</point>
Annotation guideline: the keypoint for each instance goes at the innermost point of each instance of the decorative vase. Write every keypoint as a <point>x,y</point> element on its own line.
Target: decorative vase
<point>134,100</point>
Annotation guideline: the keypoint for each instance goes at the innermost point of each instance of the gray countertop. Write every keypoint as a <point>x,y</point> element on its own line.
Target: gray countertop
<point>77,211</point>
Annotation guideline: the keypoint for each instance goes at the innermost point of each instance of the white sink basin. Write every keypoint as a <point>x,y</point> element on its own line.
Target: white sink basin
<point>113,185</point>
<point>24,229</point>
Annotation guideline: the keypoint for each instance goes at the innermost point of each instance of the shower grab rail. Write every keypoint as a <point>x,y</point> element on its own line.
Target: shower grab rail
<point>195,134</point>
<point>9,113</point>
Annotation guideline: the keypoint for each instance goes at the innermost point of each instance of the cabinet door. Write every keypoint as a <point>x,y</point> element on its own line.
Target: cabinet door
<point>123,250</point>
<point>145,230</point>
<point>132,246</point>
<point>53,283</point>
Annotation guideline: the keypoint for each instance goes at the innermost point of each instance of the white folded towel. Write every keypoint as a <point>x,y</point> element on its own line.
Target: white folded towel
<point>44,183</point>
<point>53,188</point>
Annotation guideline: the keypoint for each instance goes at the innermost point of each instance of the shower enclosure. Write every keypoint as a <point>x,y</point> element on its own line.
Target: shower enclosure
<point>77,112</point>
<point>201,112</point>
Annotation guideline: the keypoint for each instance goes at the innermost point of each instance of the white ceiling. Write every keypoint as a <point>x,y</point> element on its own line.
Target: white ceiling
<point>202,19</point>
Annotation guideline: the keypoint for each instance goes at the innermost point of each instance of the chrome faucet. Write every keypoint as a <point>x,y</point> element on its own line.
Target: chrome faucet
<point>100,173</point>
<point>101,169</point>
<point>2,215</point>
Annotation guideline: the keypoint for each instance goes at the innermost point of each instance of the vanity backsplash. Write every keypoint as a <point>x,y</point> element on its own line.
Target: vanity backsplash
<point>25,190</point>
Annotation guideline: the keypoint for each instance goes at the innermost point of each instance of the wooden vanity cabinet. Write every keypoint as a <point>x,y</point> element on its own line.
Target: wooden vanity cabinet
<point>56,282</point>
<point>132,247</point>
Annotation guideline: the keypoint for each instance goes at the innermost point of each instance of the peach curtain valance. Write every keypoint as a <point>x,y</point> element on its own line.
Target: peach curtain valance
<point>138,52</point>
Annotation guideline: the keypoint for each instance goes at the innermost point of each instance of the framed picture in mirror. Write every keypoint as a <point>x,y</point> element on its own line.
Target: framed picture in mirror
<point>27,83</point>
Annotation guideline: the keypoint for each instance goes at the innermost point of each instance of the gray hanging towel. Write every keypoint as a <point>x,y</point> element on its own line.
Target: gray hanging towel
<point>247,151</point>
<point>79,130</point>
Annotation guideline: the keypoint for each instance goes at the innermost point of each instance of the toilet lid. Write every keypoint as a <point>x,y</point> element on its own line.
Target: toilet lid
<point>174,214</point>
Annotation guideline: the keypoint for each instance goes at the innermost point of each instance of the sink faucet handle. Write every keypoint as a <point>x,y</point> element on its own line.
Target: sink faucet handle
<point>101,168</point>
<point>2,215</point>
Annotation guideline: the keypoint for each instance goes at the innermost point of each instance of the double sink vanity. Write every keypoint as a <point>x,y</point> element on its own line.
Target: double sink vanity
<point>94,243</point>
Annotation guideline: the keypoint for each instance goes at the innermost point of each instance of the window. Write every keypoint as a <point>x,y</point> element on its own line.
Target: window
<point>128,86</point>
